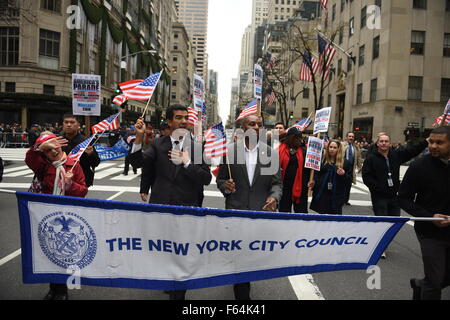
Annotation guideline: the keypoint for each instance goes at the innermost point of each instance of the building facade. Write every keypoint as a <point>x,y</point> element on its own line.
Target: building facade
<point>42,46</point>
<point>194,16</point>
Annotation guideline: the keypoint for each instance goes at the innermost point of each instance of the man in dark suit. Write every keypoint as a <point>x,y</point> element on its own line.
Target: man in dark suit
<point>254,184</point>
<point>177,174</point>
<point>90,159</point>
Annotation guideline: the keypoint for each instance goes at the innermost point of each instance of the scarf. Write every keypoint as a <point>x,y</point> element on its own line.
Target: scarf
<point>59,185</point>
<point>284,162</point>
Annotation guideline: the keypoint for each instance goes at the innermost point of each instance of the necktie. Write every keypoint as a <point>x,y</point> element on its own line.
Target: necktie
<point>350,152</point>
<point>176,145</point>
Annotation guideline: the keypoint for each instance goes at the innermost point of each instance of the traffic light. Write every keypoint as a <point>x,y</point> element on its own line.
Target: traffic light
<point>291,115</point>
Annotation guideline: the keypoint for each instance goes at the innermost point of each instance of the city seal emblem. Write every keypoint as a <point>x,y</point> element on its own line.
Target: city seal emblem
<point>67,240</point>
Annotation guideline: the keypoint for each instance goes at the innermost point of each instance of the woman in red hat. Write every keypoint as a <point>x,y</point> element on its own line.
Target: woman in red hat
<point>58,175</point>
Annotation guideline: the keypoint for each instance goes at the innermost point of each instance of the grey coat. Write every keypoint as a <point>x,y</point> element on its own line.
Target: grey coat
<point>264,185</point>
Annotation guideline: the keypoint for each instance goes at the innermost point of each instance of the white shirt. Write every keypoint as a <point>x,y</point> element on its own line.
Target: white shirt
<point>251,158</point>
<point>137,147</point>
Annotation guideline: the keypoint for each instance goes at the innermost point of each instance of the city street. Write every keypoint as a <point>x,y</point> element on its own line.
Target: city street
<point>403,256</point>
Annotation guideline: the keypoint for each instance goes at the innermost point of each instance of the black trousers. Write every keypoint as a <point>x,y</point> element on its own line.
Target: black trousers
<point>286,202</point>
<point>58,288</point>
<point>348,188</point>
<point>385,206</point>
<point>436,265</point>
<point>241,292</point>
<point>127,165</point>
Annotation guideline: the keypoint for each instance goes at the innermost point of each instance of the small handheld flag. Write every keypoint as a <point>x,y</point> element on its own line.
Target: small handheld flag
<point>216,142</point>
<point>110,123</point>
<point>78,151</point>
<point>193,116</point>
<point>144,90</point>
<point>250,109</point>
<point>302,125</point>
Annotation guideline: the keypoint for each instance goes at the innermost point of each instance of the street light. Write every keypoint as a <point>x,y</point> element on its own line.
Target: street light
<point>123,64</point>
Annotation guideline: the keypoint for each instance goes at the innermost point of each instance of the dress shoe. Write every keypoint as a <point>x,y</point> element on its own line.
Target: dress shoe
<point>416,289</point>
<point>125,173</point>
<point>51,295</point>
<point>383,255</point>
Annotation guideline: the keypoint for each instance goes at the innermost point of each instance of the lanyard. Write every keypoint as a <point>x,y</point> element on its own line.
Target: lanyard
<point>388,165</point>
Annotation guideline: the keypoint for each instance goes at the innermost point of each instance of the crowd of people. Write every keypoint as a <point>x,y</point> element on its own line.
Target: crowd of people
<point>171,176</point>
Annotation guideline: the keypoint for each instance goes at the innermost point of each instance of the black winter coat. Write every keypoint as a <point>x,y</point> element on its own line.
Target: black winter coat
<point>88,163</point>
<point>375,171</point>
<point>425,191</point>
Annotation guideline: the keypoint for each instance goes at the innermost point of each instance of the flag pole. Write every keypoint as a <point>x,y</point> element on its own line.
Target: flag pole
<point>146,107</point>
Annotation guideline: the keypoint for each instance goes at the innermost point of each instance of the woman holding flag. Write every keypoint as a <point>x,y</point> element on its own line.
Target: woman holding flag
<point>57,174</point>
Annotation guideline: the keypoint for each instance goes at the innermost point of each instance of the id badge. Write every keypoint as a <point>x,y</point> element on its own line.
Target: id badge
<point>390,182</point>
<point>330,186</point>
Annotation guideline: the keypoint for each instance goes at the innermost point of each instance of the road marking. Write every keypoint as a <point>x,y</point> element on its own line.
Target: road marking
<point>18,173</point>
<point>10,257</point>
<point>104,173</point>
<point>15,169</point>
<point>305,288</point>
<point>116,195</point>
<point>129,177</point>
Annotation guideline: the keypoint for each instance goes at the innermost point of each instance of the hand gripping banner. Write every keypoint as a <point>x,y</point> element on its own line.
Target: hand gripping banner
<point>133,245</point>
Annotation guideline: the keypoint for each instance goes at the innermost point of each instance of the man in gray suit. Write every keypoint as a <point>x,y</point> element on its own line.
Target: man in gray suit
<point>353,161</point>
<point>255,182</point>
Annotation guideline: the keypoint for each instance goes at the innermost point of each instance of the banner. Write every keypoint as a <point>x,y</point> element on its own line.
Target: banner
<point>199,93</point>
<point>314,153</point>
<point>119,150</point>
<point>86,94</point>
<point>322,120</point>
<point>136,245</point>
<point>258,81</point>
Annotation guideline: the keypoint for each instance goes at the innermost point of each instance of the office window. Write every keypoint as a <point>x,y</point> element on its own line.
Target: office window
<point>351,27</point>
<point>447,5</point>
<point>359,93</point>
<point>447,45</point>
<point>341,35</point>
<point>329,100</point>
<point>174,83</point>
<point>49,90</point>
<point>10,87</point>
<point>376,48</point>
<point>378,3</point>
<point>349,63</point>
<point>52,5</point>
<point>373,90</point>
<point>342,5</point>
<point>419,4</point>
<point>415,88</point>
<point>9,46</point>
<point>49,43</point>
<point>339,67</point>
<point>333,12</point>
<point>305,93</point>
<point>362,53</point>
<point>305,112</point>
<point>363,17</point>
<point>445,89</point>
<point>418,42</point>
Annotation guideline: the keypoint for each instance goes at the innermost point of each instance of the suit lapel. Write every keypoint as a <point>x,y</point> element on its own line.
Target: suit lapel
<point>243,167</point>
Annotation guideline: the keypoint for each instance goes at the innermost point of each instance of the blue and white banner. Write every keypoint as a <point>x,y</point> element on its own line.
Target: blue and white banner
<point>134,245</point>
<point>119,150</point>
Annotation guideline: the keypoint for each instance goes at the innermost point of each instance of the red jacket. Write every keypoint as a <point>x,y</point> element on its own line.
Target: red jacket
<point>46,173</point>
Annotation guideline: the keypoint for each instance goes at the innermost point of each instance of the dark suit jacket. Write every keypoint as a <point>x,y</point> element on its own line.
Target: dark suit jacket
<point>249,197</point>
<point>171,184</point>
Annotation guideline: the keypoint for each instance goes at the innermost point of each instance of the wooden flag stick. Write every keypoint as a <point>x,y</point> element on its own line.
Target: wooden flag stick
<point>146,107</point>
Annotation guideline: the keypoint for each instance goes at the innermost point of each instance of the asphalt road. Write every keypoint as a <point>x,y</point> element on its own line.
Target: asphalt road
<point>403,255</point>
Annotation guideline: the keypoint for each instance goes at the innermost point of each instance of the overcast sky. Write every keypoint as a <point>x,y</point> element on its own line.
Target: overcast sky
<point>227,22</point>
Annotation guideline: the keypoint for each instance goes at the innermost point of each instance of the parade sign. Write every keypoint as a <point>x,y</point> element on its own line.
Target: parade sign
<point>136,245</point>
<point>199,93</point>
<point>322,120</point>
<point>258,81</point>
<point>86,94</point>
<point>314,153</point>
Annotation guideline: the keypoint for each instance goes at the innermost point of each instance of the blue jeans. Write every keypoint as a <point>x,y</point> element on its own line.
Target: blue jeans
<point>385,206</point>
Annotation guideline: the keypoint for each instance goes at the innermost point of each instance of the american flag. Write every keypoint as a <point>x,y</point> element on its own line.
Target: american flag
<point>120,99</point>
<point>326,55</point>
<point>216,142</point>
<point>305,71</point>
<point>193,116</point>
<point>250,108</point>
<point>270,98</point>
<point>302,125</point>
<point>324,4</point>
<point>110,123</point>
<point>78,151</point>
<point>144,90</point>
<point>271,63</point>
<point>445,118</point>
